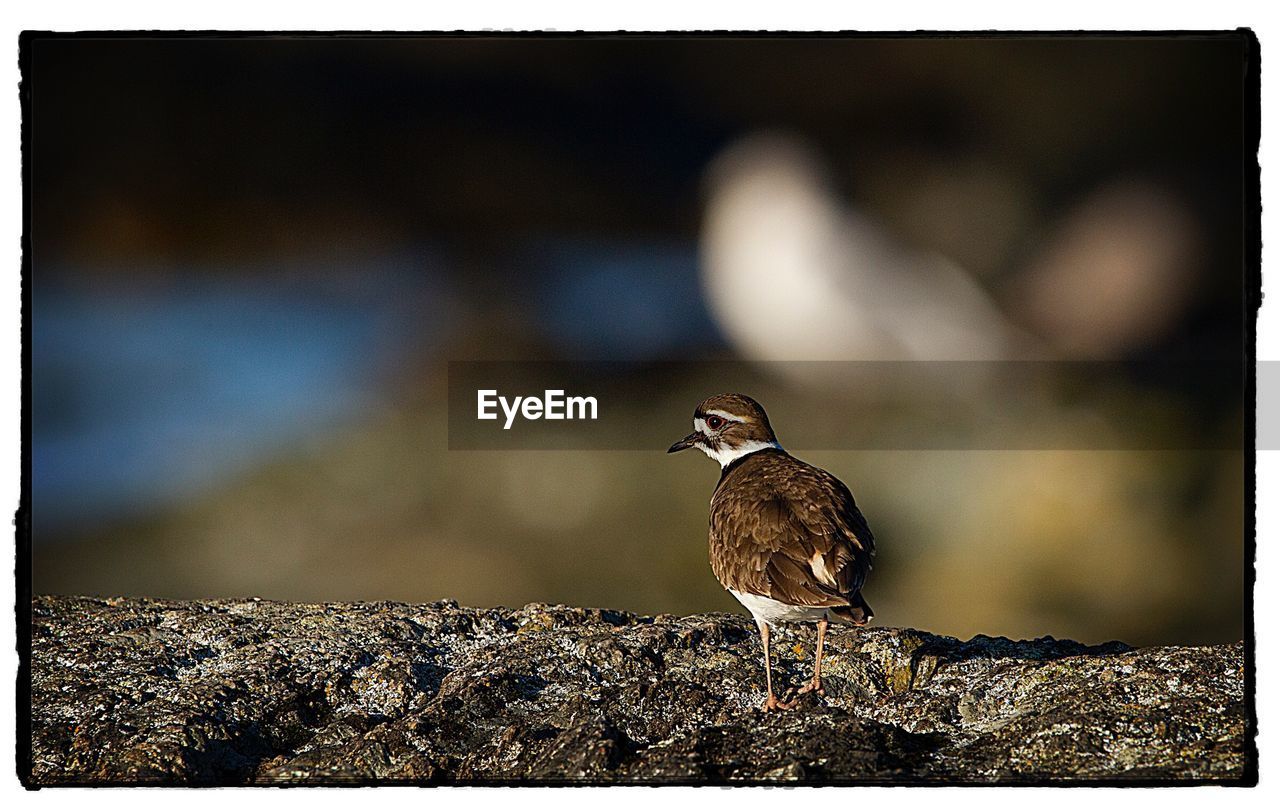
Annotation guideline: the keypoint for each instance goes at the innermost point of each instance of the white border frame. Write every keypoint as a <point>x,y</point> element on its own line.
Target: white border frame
<point>657,15</point>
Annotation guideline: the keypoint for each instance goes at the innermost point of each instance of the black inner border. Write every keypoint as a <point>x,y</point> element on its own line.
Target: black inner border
<point>1251,236</point>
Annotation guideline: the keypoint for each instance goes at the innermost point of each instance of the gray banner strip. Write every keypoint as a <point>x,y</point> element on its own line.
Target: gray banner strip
<point>1268,401</point>
<point>820,405</point>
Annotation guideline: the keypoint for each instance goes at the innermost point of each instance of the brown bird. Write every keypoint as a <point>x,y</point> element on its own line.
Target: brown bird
<point>787,539</point>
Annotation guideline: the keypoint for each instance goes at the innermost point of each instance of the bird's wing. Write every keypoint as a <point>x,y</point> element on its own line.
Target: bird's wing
<point>813,551</point>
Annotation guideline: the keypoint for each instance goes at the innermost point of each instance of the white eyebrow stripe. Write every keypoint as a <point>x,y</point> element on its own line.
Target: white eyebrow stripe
<point>725,415</point>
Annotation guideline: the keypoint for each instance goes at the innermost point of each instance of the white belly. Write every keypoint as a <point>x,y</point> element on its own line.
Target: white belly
<point>772,612</point>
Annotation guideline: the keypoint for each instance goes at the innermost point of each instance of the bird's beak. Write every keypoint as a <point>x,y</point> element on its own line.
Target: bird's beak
<point>683,444</point>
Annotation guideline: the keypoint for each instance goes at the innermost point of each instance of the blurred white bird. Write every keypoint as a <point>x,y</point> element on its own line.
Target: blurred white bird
<point>791,273</point>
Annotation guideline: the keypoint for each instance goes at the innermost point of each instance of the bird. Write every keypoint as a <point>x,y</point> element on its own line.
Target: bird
<point>786,538</point>
<point>853,291</point>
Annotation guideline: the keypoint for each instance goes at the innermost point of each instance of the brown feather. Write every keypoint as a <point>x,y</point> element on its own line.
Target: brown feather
<point>774,519</point>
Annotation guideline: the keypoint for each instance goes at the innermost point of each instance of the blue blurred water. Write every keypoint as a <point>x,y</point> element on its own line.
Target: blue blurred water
<point>624,299</point>
<point>150,387</point>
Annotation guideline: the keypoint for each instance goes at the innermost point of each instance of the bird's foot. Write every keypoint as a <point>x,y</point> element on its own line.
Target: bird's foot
<point>814,685</point>
<point>795,697</point>
<point>772,704</point>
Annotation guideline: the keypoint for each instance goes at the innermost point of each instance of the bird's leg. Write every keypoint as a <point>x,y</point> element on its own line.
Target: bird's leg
<point>815,685</point>
<point>771,702</point>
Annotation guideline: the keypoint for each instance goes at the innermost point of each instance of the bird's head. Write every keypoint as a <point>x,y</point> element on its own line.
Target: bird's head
<point>727,427</point>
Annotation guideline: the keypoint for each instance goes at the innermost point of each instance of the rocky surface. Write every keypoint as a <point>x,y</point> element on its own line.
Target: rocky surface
<point>231,692</point>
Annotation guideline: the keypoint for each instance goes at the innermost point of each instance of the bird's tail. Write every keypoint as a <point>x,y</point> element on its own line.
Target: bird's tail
<point>858,611</point>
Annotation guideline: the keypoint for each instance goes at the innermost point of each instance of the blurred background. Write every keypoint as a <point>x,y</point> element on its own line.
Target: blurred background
<point>253,259</point>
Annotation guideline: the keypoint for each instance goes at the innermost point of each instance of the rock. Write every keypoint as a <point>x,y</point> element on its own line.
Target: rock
<point>240,692</point>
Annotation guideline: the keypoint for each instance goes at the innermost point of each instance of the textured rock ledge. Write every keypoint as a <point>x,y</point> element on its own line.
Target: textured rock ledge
<point>250,691</point>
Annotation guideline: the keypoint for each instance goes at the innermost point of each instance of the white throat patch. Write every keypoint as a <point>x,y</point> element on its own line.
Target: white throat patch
<point>728,455</point>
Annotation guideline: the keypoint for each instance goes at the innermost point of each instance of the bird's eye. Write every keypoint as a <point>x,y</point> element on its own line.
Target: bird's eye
<point>715,422</point>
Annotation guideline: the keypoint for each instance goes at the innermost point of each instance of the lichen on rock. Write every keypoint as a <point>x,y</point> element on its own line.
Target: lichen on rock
<point>250,691</point>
